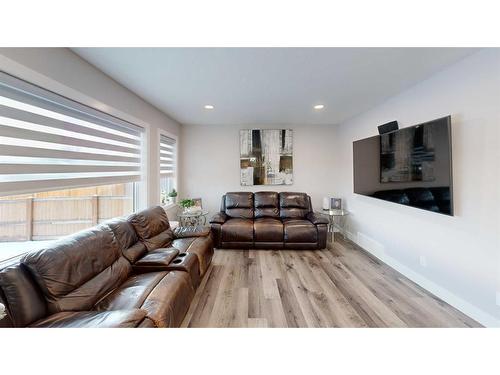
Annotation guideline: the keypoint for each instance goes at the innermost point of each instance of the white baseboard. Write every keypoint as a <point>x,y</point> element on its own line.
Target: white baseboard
<point>460,304</point>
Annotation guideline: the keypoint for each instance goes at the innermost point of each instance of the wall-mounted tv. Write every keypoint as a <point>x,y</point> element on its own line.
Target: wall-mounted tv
<point>411,166</point>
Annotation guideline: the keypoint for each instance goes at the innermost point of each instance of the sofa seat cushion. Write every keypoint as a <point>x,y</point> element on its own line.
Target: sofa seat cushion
<point>93,319</point>
<point>267,229</point>
<point>299,231</point>
<point>156,260</point>
<point>202,247</point>
<point>237,230</point>
<point>165,296</point>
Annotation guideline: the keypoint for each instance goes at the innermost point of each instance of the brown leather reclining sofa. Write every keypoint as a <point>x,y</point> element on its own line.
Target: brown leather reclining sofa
<point>268,220</point>
<point>134,272</point>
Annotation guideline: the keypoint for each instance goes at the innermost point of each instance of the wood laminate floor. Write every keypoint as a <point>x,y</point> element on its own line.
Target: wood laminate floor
<point>342,286</point>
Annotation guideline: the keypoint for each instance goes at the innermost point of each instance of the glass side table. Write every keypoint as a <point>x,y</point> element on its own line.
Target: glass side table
<point>336,221</point>
<point>192,219</point>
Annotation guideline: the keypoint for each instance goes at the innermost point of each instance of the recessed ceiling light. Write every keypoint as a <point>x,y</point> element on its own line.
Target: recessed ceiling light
<point>319,106</point>
<point>208,106</point>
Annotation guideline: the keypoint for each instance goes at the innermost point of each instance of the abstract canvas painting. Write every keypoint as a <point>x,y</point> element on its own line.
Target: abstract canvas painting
<point>266,157</point>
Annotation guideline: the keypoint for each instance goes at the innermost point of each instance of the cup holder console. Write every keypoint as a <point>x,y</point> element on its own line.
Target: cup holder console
<point>189,263</point>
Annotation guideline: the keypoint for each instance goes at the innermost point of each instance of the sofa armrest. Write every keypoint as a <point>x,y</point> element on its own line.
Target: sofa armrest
<point>185,232</point>
<point>316,218</point>
<point>219,218</point>
<point>93,319</point>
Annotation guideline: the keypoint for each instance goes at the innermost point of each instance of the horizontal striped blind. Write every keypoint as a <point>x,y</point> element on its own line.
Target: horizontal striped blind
<point>167,156</point>
<point>48,142</point>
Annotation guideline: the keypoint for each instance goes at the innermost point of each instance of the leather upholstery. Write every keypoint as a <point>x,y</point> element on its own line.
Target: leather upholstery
<point>165,296</point>
<point>78,270</point>
<point>128,239</point>
<point>280,220</point>
<point>21,296</point>
<point>267,229</point>
<point>189,263</point>
<point>235,230</point>
<point>299,231</point>
<point>197,240</point>
<point>147,323</point>
<point>156,260</point>
<point>93,319</point>
<point>266,204</point>
<point>294,205</point>
<point>185,232</point>
<point>322,234</point>
<point>202,247</point>
<point>316,219</point>
<point>239,205</point>
<point>152,227</point>
<point>218,218</point>
<point>85,280</point>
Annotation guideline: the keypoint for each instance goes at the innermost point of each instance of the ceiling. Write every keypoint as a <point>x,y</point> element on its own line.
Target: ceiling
<point>268,85</point>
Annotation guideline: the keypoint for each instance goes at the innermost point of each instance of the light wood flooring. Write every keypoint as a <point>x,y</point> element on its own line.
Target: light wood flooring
<point>342,286</point>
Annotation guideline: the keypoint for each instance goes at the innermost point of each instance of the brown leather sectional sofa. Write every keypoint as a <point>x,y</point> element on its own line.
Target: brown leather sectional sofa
<point>134,272</point>
<point>268,220</point>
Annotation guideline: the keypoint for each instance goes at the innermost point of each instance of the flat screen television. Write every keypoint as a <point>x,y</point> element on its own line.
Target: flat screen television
<point>410,166</point>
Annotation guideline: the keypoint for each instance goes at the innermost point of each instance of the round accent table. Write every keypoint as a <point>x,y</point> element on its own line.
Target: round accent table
<point>336,220</point>
<point>192,219</point>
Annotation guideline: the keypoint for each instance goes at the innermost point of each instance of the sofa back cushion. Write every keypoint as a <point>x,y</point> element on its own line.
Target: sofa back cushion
<point>294,205</point>
<point>152,227</point>
<point>77,271</point>
<point>239,205</point>
<point>266,204</point>
<point>22,297</point>
<point>124,231</point>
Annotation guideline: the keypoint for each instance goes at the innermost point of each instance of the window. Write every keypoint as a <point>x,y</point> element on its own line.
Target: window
<point>168,160</point>
<point>63,166</point>
<point>45,216</point>
<point>49,142</point>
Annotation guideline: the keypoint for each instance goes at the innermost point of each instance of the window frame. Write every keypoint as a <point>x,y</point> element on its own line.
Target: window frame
<point>176,163</point>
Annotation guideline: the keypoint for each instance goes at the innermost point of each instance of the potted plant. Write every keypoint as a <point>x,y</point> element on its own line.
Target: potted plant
<point>186,204</point>
<point>173,195</point>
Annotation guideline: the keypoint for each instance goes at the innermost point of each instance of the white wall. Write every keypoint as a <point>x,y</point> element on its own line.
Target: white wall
<point>210,162</point>
<point>62,71</point>
<point>462,252</point>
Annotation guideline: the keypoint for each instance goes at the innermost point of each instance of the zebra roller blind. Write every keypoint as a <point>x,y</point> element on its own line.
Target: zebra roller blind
<point>167,156</point>
<point>48,142</point>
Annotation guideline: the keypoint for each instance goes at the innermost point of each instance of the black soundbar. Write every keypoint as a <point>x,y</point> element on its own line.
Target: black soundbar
<point>387,128</point>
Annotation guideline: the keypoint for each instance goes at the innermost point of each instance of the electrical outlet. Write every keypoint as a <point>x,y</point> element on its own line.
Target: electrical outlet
<point>423,260</point>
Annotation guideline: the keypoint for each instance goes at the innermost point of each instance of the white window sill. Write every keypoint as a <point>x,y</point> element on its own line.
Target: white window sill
<point>169,206</point>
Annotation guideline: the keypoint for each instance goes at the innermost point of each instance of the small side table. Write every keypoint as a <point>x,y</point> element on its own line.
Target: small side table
<point>336,221</point>
<point>192,219</point>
